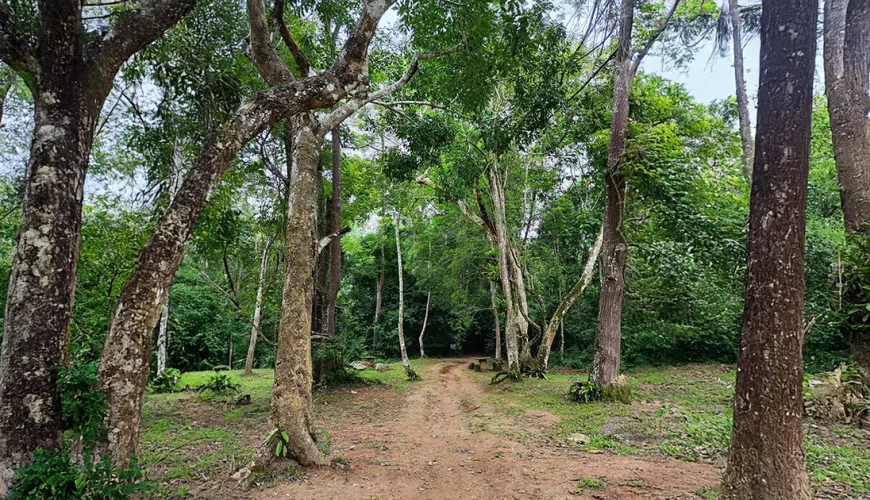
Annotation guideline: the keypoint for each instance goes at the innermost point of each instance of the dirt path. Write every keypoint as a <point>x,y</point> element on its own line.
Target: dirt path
<point>432,451</point>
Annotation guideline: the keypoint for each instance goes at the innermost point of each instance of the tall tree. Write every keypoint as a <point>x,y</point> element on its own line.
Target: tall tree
<point>766,458</point>
<point>258,307</point>
<point>740,87</point>
<point>335,246</point>
<point>397,220</point>
<point>70,70</point>
<point>847,84</point>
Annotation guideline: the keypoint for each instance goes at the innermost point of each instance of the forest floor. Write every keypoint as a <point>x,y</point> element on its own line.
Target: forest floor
<point>452,435</point>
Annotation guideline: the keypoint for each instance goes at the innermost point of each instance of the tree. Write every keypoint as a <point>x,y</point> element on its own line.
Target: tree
<point>124,365</point>
<point>397,220</point>
<point>69,68</point>
<point>766,458</point>
<point>335,247</point>
<point>740,86</point>
<point>847,85</point>
<point>258,306</point>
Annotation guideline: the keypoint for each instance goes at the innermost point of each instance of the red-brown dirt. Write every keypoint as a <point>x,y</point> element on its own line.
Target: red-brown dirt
<point>432,452</point>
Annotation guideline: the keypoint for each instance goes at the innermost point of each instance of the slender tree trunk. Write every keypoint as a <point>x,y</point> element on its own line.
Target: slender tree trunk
<point>335,246</point>
<point>767,459</point>
<point>740,86</point>
<point>162,339</point>
<point>404,352</point>
<point>566,303</point>
<point>847,66</point>
<point>291,394</point>
<point>6,81</point>
<point>495,320</point>
<point>425,320</point>
<point>258,306</point>
<point>608,334</point>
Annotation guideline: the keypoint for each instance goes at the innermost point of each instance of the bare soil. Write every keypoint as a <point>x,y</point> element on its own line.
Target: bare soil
<point>433,448</point>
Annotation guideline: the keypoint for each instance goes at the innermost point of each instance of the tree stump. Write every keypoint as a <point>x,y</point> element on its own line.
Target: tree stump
<point>497,366</point>
<point>482,364</point>
<point>477,367</point>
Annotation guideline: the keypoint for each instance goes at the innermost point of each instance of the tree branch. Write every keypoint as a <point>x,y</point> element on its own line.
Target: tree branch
<point>15,50</point>
<point>326,240</point>
<point>302,63</point>
<point>652,40</point>
<point>263,55</point>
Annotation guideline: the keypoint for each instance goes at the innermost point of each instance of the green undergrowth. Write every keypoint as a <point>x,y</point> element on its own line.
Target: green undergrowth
<point>682,412</point>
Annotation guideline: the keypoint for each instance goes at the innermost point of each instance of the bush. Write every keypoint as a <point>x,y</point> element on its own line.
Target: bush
<point>220,384</point>
<point>583,391</point>
<point>166,382</point>
<point>53,475</point>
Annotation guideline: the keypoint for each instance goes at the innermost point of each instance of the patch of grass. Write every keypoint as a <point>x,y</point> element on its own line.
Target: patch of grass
<point>849,465</point>
<point>635,482</point>
<point>708,492</point>
<point>597,483</point>
<point>703,435</point>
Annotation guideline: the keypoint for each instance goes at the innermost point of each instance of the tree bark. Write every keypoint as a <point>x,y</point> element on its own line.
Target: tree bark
<point>291,394</point>
<point>403,351</point>
<point>566,303</point>
<point>70,76</point>
<point>258,306</point>
<point>425,320</point>
<point>124,366</point>
<point>608,334</point>
<point>740,87</point>
<point>495,320</point>
<point>847,66</point>
<point>847,83</point>
<point>162,339</point>
<point>335,247</point>
<point>767,457</point>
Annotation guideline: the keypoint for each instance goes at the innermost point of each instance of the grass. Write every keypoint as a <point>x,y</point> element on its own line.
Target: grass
<point>682,412</point>
<point>188,441</point>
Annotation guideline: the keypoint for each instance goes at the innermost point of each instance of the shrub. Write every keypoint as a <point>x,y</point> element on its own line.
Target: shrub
<point>583,391</point>
<point>166,382</point>
<point>219,384</point>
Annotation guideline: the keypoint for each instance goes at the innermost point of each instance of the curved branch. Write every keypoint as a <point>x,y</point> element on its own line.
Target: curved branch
<point>302,63</point>
<point>15,50</point>
<point>263,55</point>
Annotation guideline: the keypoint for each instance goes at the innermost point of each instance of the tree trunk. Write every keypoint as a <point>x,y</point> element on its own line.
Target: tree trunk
<point>847,66</point>
<point>495,320</point>
<point>566,303</point>
<point>740,86</point>
<point>335,246</point>
<point>847,83</point>
<point>608,334</point>
<point>404,352</point>
<point>70,76</point>
<point>767,457</point>
<point>258,318</point>
<point>162,339</point>
<point>291,394</point>
<point>516,326</point>
<point>425,319</point>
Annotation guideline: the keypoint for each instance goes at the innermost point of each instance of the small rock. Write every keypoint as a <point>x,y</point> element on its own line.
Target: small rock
<point>382,367</point>
<point>358,365</point>
<point>433,462</point>
<point>579,439</point>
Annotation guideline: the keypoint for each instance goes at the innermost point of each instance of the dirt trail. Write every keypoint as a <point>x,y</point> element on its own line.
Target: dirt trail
<point>431,451</point>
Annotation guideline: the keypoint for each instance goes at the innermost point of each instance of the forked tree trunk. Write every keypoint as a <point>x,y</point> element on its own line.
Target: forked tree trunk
<point>335,246</point>
<point>258,306</point>
<point>847,66</point>
<point>425,320</point>
<point>404,352</point>
<point>162,339</point>
<point>291,394</point>
<point>608,334</point>
<point>566,303</point>
<point>740,86</point>
<point>495,320</point>
<point>766,458</point>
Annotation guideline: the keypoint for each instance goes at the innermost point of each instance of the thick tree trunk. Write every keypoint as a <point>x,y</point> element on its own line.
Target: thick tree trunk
<point>767,457</point>
<point>425,320</point>
<point>162,339</point>
<point>566,303</point>
<point>740,86</point>
<point>335,246</point>
<point>291,394</point>
<point>608,334</point>
<point>405,363</point>
<point>258,307</point>
<point>847,83</point>
<point>495,320</point>
<point>847,66</point>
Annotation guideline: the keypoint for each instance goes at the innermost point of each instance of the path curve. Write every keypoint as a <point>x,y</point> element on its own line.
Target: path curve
<point>432,452</point>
